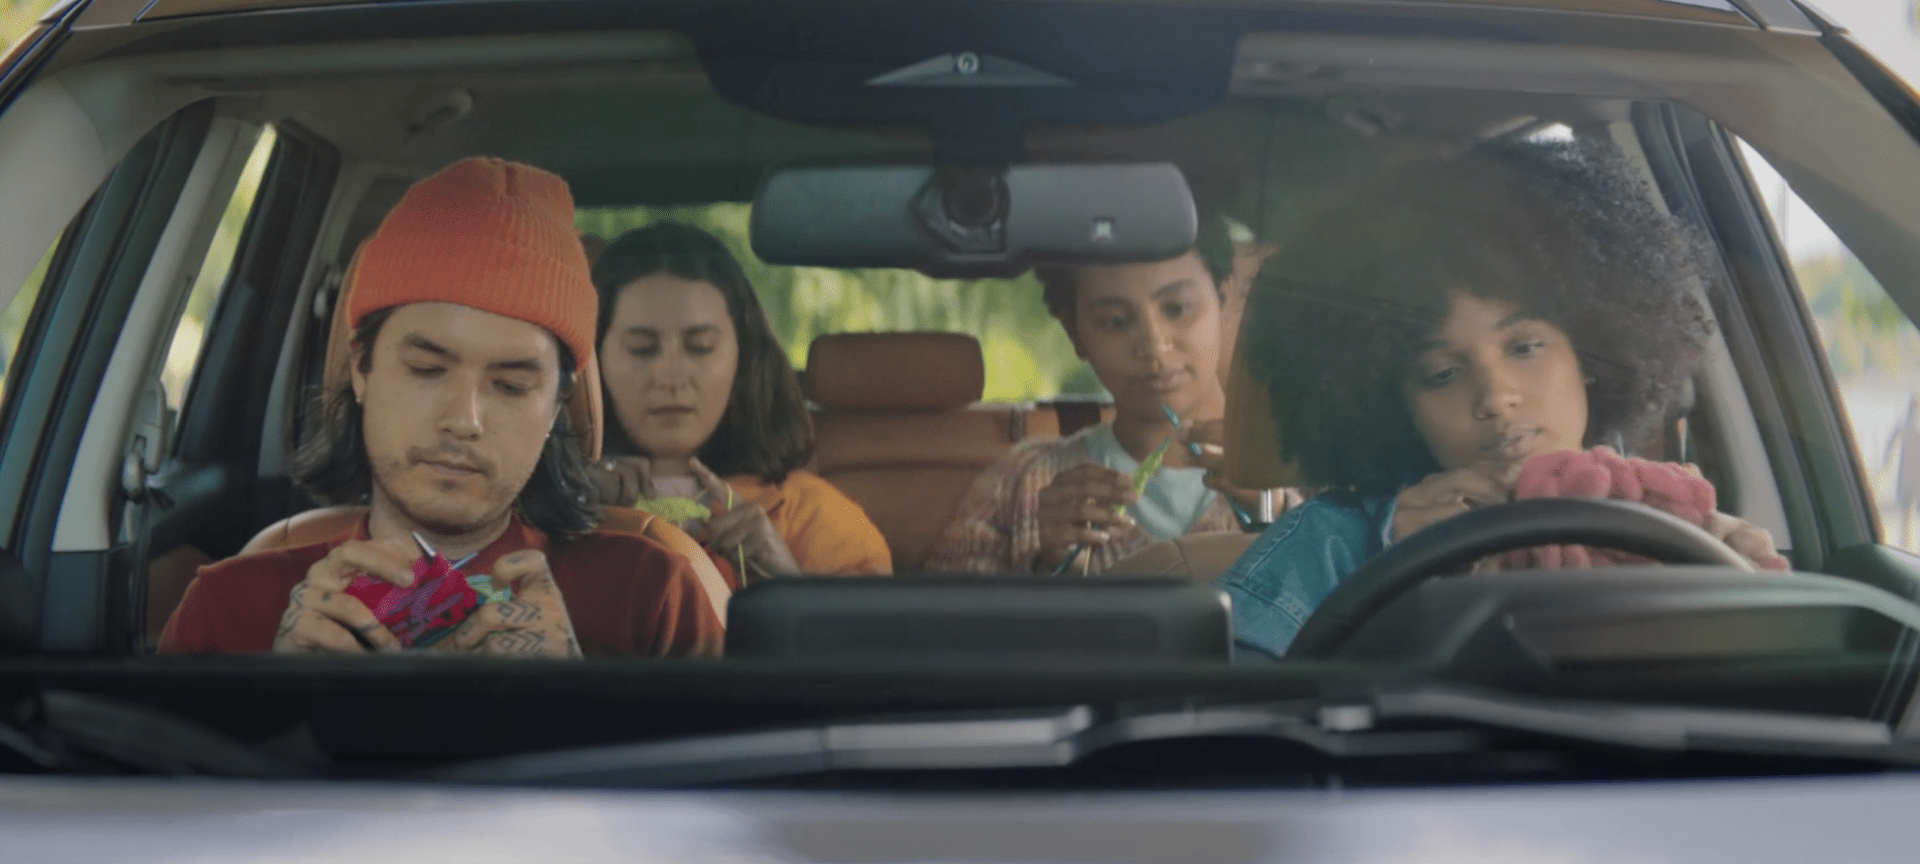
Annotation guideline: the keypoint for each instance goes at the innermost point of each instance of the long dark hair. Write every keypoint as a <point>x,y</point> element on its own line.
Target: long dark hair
<point>766,430</point>
<point>1565,233</point>
<point>332,463</point>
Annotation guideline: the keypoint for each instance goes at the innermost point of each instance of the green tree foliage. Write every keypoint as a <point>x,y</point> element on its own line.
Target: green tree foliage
<point>16,16</point>
<point>1027,354</point>
<point>1866,335</point>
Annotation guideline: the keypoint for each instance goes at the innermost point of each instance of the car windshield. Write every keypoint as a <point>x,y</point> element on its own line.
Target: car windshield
<point>1160,348</point>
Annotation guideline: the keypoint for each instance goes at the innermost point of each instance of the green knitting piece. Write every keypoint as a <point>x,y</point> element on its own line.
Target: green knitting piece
<point>676,510</point>
<point>1147,468</point>
<point>482,584</point>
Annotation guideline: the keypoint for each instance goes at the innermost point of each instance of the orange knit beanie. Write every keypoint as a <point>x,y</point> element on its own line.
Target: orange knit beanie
<point>487,233</point>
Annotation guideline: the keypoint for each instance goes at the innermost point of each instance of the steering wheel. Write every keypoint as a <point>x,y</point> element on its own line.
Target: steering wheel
<point>1454,543</point>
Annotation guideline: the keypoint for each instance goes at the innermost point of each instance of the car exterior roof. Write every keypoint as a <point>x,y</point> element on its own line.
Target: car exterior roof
<point>1766,14</point>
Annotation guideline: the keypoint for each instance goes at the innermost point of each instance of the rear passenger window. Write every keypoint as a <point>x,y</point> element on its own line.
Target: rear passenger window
<point>190,333</point>
<point>1028,356</point>
<point>1871,346</point>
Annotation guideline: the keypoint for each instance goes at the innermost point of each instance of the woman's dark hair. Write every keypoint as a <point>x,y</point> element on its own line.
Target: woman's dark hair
<point>1564,232</point>
<point>766,430</point>
<point>1212,240</point>
<point>332,463</point>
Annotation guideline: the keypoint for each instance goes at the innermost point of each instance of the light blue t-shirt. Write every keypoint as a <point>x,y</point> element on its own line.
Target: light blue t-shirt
<point>1174,499</point>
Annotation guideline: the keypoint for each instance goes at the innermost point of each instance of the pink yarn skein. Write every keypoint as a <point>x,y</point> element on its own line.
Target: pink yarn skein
<point>1602,473</point>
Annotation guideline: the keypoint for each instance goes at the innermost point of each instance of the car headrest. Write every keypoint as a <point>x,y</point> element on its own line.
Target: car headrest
<point>1253,438</point>
<point>583,407</point>
<point>895,371</point>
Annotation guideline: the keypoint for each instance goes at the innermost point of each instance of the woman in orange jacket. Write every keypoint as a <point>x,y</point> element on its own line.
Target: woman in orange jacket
<point>711,427</point>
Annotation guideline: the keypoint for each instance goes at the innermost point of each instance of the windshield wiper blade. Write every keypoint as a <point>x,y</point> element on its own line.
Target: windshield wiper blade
<point>133,735</point>
<point>1367,725</point>
<point>1653,727</point>
<point>1042,738</point>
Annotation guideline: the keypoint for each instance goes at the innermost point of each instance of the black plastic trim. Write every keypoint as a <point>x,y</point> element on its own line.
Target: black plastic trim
<point>246,335</point>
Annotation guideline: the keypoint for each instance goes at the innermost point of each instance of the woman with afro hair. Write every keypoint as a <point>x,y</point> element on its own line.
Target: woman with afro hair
<point>1449,323</point>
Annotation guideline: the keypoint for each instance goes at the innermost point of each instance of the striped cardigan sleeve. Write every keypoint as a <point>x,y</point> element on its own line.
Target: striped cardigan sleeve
<point>995,528</point>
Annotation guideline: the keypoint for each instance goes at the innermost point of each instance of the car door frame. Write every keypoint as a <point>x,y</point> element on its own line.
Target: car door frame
<point>1796,398</point>
<point>213,499</point>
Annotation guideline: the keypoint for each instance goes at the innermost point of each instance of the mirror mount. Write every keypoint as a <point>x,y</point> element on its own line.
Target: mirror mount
<point>964,207</point>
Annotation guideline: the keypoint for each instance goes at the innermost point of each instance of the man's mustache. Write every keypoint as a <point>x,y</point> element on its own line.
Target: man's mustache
<point>451,454</point>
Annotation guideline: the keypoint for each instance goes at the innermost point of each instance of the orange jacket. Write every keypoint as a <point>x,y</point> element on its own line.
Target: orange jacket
<point>828,534</point>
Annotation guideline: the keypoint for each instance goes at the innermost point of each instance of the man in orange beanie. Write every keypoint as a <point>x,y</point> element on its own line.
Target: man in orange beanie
<point>465,416</point>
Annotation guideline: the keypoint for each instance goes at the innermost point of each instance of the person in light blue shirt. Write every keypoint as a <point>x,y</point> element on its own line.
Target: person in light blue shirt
<point>1440,325</point>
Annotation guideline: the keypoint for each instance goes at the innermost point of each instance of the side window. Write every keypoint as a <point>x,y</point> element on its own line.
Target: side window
<point>13,321</point>
<point>190,334</point>
<point>1871,346</point>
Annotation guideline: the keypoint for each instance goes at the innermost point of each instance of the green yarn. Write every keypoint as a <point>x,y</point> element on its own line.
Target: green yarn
<point>676,510</point>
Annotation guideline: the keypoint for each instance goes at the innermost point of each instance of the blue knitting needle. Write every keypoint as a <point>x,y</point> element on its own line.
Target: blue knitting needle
<point>1072,554</point>
<point>1193,449</point>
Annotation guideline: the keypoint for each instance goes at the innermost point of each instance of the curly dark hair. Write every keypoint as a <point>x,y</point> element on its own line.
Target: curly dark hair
<point>1213,240</point>
<point>1564,232</point>
<point>766,430</point>
<point>332,463</point>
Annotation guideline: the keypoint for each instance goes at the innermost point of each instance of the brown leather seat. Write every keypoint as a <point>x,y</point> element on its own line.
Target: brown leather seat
<point>900,428</point>
<point>1200,557</point>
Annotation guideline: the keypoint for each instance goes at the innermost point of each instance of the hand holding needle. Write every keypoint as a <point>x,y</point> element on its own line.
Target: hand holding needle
<point>1193,449</point>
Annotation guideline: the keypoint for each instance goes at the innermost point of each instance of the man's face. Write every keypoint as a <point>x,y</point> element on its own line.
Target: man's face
<point>456,405</point>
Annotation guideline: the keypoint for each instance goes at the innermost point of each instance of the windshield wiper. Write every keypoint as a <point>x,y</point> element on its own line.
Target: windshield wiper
<point>1387,722</point>
<point>65,731</point>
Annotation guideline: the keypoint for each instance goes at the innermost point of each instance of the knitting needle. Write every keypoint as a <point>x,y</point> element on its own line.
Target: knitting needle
<point>1071,555</point>
<point>1193,449</point>
<point>426,549</point>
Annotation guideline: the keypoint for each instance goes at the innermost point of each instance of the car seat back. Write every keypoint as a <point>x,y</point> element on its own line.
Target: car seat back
<point>900,429</point>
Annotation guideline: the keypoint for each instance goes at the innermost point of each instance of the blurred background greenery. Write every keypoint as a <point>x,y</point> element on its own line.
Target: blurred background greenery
<point>1027,354</point>
<point>17,15</point>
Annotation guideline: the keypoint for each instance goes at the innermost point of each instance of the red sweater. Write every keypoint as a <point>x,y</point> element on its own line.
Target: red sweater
<point>627,596</point>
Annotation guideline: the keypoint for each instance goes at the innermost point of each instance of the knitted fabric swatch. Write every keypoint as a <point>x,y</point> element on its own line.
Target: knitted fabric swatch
<point>1602,473</point>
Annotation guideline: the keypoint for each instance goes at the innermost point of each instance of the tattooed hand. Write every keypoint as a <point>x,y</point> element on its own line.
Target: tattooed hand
<point>533,624</point>
<point>322,618</point>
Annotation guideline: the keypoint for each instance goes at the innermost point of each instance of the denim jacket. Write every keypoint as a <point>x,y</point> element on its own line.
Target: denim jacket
<point>1295,564</point>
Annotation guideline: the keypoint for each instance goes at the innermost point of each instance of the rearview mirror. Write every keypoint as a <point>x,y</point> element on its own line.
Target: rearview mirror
<point>956,219</point>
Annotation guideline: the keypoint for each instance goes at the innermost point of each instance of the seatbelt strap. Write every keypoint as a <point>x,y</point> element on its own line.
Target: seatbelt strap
<point>677,541</point>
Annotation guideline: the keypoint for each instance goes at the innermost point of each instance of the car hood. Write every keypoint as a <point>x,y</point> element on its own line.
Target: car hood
<point>1862,820</point>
